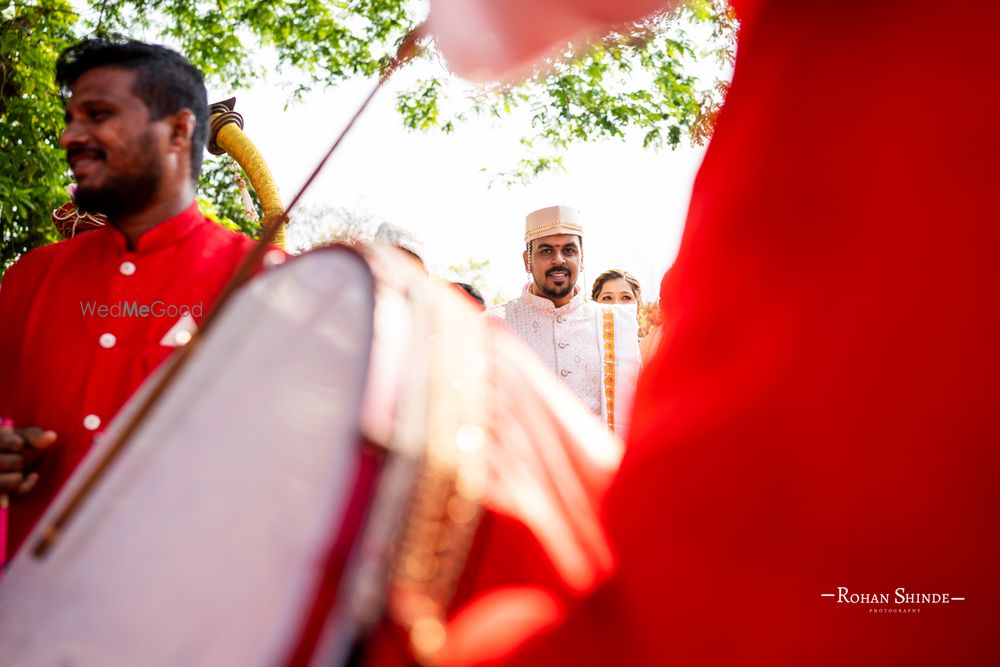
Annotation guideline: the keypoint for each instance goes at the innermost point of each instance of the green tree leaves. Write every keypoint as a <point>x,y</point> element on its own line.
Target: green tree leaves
<point>636,81</point>
<point>33,171</point>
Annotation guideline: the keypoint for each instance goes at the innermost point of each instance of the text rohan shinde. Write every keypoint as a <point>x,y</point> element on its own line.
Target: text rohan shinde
<point>899,596</point>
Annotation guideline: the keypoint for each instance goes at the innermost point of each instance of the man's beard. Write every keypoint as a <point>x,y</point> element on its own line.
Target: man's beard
<point>124,194</point>
<point>557,293</point>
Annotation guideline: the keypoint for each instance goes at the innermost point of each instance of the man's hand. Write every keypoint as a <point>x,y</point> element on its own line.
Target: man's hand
<point>487,40</point>
<point>18,451</point>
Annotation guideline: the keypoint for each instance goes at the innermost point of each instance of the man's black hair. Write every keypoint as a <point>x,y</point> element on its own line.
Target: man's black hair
<point>473,292</point>
<point>164,80</point>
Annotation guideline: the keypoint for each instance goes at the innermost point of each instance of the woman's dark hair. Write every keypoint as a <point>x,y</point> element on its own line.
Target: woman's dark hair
<point>165,81</point>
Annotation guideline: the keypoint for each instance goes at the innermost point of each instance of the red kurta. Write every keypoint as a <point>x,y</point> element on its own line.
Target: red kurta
<point>824,411</point>
<point>67,368</point>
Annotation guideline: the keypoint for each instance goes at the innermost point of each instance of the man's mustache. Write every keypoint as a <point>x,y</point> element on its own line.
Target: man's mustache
<point>554,269</point>
<point>78,151</point>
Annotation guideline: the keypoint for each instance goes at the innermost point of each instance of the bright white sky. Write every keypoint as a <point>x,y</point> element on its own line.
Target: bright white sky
<point>633,202</point>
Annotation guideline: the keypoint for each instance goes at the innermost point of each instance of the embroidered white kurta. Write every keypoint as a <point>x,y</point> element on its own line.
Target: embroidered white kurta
<point>570,340</point>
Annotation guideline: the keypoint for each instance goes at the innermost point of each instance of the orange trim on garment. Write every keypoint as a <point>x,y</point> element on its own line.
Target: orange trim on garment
<point>609,367</point>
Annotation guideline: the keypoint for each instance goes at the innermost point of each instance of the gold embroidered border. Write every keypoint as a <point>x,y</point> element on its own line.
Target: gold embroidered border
<point>609,366</point>
<point>539,232</point>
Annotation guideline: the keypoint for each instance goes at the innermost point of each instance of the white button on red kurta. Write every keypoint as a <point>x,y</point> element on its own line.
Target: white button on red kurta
<point>53,294</point>
<point>107,340</point>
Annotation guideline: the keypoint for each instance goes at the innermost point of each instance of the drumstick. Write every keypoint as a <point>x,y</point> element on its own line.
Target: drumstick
<point>408,49</point>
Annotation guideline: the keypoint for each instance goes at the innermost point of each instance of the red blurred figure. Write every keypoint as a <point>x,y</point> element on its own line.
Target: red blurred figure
<point>821,419</point>
<point>83,322</point>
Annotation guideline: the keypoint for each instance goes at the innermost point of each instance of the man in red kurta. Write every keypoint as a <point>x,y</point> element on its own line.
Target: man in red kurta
<point>86,320</point>
<point>816,440</point>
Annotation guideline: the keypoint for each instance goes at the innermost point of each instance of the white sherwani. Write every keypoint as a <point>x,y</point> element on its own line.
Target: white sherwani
<point>593,347</point>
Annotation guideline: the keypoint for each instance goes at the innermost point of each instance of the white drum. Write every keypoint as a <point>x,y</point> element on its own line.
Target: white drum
<point>320,462</point>
<point>205,541</point>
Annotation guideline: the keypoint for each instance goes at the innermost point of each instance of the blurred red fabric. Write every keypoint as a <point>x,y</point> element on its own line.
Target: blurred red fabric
<point>823,410</point>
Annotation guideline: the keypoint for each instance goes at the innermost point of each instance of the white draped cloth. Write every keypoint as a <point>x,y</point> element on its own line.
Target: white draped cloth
<point>573,340</point>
